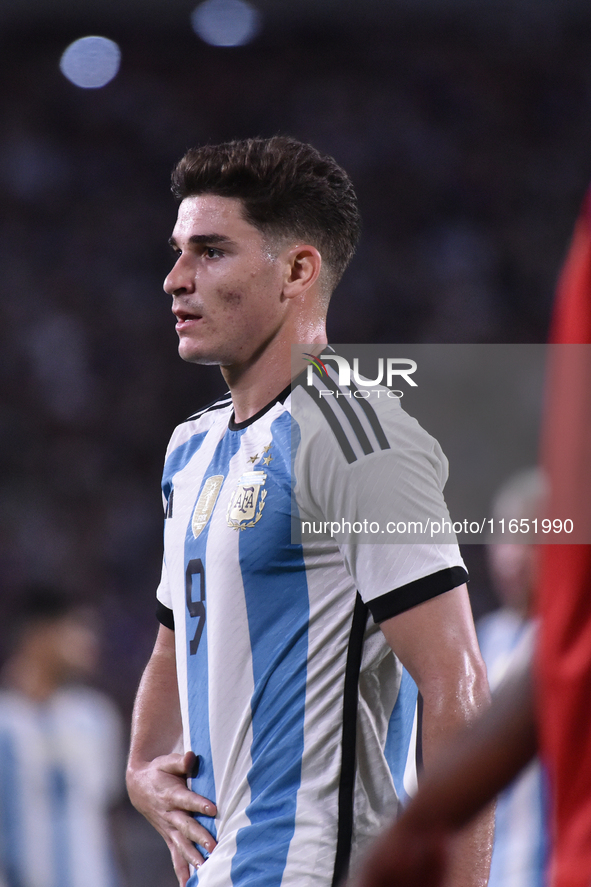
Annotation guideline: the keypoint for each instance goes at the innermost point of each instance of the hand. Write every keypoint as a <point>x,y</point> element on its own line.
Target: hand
<point>403,857</point>
<point>158,789</point>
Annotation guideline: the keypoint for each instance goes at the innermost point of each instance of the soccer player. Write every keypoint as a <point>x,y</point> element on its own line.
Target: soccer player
<point>61,750</point>
<point>276,688</point>
<point>505,637</point>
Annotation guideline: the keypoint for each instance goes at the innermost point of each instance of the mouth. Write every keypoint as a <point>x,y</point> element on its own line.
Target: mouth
<point>185,319</point>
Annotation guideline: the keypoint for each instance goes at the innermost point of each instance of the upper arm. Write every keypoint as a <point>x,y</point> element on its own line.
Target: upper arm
<point>161,667</point>
<point>164,644</point>
<point>156,721</point>
<point>436,642</point>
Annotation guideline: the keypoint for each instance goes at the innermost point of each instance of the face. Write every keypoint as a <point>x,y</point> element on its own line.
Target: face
<point>514,567</point>
<point>226,287</point>
<point>69,644</point>
<point>78,643</point>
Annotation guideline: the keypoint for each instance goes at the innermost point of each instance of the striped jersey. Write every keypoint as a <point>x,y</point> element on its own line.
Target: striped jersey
<point>302,717</point>
<point>61,770</point>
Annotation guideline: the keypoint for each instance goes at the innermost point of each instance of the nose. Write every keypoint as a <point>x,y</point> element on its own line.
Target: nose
<point>179,280</point>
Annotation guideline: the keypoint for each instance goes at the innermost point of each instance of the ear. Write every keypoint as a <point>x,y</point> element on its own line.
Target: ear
<point>302,269</point>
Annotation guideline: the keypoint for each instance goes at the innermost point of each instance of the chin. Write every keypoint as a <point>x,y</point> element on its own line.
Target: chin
<point>195,355</point>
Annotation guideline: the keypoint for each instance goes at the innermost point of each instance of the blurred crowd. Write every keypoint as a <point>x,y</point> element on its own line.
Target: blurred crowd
<point>470,158</point>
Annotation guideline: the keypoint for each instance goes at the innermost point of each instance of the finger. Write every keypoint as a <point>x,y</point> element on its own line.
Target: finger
<point>186,765</point>
<point>180,866</point>
<point>191,829</point>
<point>186,849</point>
<point>182,798</point>
<point>191,763</point>
<point>178,765</point>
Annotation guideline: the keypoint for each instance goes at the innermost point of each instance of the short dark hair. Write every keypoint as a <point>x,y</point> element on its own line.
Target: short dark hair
<point>287,188</point>
<point>39,602</point>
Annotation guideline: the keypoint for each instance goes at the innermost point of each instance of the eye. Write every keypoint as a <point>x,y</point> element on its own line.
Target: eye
<point>211,252</point>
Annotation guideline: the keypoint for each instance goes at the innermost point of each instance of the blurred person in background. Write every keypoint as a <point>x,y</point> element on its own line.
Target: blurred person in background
<point>61,751</point>
<point>505,635</point>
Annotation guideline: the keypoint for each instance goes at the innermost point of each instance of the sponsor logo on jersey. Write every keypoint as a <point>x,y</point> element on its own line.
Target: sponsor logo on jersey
<point>206,503</point>
<point>247,501</point>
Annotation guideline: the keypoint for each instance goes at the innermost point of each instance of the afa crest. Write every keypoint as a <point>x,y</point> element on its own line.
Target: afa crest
<point>247,501</point>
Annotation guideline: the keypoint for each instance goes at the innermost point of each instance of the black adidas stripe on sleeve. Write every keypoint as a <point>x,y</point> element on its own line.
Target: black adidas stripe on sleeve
<point>343,410</point>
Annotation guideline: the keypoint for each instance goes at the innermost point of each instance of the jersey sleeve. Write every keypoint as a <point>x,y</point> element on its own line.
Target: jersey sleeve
<point>164,612</point>
<point>381,496</point>
<point>394,578</point>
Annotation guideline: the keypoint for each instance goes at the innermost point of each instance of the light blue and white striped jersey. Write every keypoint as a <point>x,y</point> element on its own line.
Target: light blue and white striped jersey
<point>61,769</point>
<point>520,851</point>
<point>301,715</point>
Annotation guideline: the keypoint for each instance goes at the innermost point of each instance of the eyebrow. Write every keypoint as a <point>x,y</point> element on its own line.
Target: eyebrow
<point>203,238</point>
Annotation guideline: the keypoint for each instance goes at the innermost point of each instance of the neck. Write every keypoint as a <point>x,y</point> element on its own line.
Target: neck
<point>269,371</point>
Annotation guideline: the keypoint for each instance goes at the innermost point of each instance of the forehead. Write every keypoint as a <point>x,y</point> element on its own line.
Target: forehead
<point>210,214</point>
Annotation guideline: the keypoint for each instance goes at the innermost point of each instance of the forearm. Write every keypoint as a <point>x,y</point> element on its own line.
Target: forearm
<point>156,772</point>
<point>156,727</point>
<point>447,712</point>
<point>480,761</point>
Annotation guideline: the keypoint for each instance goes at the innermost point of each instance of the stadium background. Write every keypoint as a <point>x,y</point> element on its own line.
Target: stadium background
<point>466,132</point>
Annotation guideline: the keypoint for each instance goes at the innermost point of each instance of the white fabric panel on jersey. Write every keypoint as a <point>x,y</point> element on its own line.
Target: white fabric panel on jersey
<point>61,768</point>
<point>389,470</point>
<point>292,715</point>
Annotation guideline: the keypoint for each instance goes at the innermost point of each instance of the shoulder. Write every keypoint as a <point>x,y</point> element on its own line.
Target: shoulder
<point>221,403</point>
<point>219,411</point>
<point>352,423</point>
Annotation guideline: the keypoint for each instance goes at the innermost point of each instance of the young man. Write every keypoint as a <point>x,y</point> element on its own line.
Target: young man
<point>269,661</point>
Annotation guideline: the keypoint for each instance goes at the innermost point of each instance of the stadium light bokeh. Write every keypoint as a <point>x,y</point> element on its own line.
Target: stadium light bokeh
<point>91,62</point>
<point>226,22</point>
